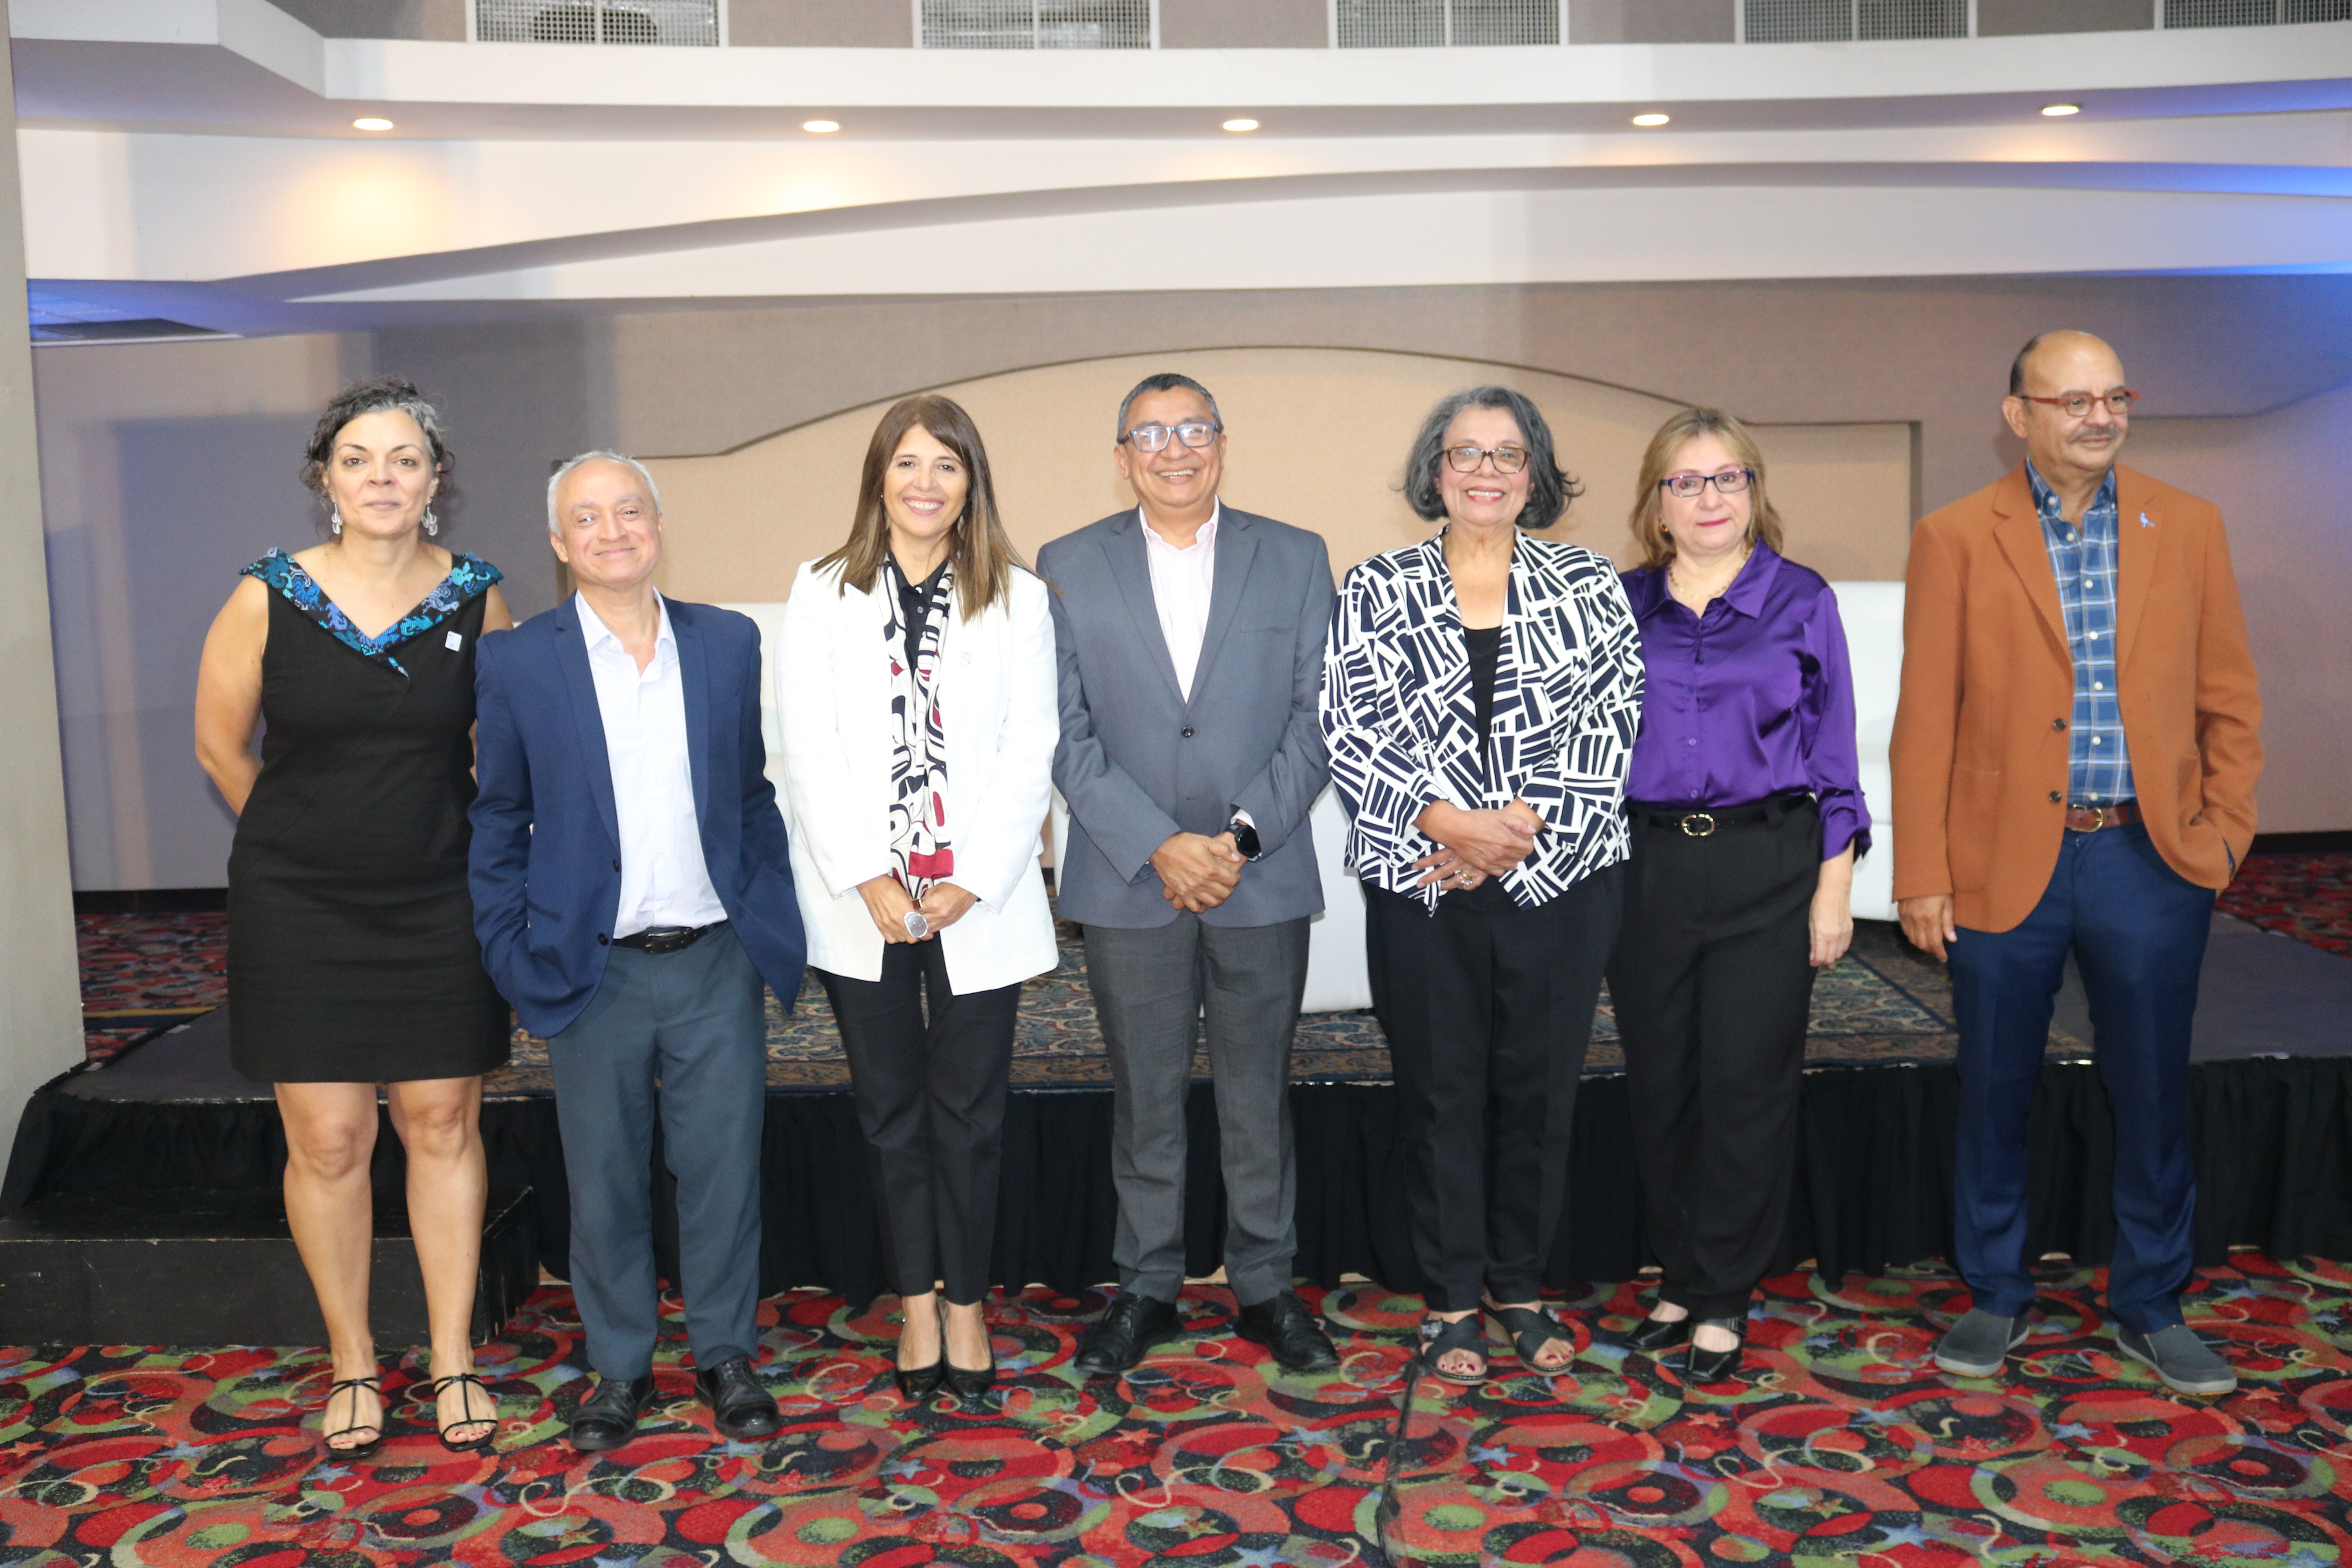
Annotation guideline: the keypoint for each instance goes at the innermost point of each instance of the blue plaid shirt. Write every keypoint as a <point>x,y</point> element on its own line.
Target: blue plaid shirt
<point>2084,560</point>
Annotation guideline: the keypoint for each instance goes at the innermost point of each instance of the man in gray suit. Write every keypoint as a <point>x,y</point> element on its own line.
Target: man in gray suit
<point>1190,641</point>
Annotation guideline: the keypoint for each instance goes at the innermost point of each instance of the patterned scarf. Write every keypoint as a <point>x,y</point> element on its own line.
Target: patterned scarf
<point>921,851</point>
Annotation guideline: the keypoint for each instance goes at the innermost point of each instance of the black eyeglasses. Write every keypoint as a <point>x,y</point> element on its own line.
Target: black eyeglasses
<point>1729,482</point>
<point>1466,460</point>
<point>1194,432</point>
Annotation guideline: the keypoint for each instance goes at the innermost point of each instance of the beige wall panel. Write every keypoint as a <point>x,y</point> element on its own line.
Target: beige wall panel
<point>2291,545</point>
<point>1318,439</point>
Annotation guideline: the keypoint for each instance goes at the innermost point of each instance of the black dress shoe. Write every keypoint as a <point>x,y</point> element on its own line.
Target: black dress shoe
<point>1285,1326</point>
<point>917,1384</point>
<point>608,1417</point>
<point>1124,1334</point>
<point>1715,1366</point>
<point>740,1407</point>
<point>1656,1337</point>
<point>970,1382</point>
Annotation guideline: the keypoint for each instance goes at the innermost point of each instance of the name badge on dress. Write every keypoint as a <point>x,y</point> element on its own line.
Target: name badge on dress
<point>453,641</point>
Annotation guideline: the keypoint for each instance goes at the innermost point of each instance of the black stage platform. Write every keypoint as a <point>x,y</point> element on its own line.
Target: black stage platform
<point>2271,1095</point>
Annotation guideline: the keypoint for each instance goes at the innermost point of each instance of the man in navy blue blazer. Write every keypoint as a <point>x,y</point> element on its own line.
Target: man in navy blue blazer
<point>633,894</point>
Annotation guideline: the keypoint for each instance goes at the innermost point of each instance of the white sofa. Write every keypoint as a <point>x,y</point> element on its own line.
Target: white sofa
<point>1335,976</point>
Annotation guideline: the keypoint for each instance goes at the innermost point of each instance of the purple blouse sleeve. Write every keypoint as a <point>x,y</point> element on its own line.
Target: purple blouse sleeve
<point>1832,754</point>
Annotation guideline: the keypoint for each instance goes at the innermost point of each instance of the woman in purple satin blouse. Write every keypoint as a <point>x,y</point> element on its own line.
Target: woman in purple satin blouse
<point>1745,802</point>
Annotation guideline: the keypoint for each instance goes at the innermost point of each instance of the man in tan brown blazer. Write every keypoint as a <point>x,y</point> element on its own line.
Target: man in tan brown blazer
<point>2074,760</point>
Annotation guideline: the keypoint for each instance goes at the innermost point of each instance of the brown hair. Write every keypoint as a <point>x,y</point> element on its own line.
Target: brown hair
<point>1648,520</point>
<point>983,557</point>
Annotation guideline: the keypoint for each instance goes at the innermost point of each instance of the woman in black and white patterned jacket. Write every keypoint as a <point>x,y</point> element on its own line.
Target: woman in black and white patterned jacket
<point>1481,692</point>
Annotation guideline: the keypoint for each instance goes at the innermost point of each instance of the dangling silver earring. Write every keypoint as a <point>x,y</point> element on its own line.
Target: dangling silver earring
<point>431,527</point>
<point>336,527</point>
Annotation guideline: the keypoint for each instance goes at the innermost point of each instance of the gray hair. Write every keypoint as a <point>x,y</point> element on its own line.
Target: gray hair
<point>563,471</point>
<point>1548,490</point>
<point>1167,381</point>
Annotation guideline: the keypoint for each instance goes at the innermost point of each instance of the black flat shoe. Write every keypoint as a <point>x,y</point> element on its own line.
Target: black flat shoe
<point>1124,1334</point>
<point>1531,1328</point>
<point>608,1417</point>
<point>1286,1327</point>
<point>742,1410</point>
<point>1656,1337</point>
<point>468,1381</point>
<point>1716,1366</point>
<point>1440,1339</point>
<point>360,1451</point>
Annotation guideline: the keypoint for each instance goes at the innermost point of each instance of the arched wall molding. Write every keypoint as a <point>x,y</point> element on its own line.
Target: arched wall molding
<point>1318,439</point>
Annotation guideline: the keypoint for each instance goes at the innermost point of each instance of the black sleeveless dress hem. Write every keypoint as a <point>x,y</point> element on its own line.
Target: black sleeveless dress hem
<point>352,956</point>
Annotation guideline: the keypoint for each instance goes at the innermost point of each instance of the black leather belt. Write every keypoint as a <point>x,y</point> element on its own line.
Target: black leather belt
<point>1704,824</point>
<point>666,938</point>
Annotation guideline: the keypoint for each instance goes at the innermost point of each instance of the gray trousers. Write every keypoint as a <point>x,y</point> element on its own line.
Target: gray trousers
<point>1150,987</point>
<point>692,1022</point>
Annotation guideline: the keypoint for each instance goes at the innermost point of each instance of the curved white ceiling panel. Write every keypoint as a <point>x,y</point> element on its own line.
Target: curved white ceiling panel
<point>202,150</point>
<point>1422,237</point>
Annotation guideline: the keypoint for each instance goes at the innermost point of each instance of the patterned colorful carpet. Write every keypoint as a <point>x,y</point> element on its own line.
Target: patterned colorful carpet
<point>2307,897</point>
<point>1839,1443</point>
<point>1884,1003</point>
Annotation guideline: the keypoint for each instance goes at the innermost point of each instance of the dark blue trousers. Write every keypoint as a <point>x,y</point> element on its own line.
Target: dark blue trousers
<point>681,1037</point>
<point>2138,929</point>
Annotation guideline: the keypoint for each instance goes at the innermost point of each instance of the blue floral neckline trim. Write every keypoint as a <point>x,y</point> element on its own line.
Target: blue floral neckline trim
<point>469,577</point>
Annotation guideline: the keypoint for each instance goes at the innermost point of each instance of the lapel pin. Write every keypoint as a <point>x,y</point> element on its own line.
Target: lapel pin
<point>2146,521</point>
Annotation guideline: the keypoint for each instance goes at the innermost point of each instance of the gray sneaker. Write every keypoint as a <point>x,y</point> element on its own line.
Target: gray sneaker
<point>1978,1344</point>
<point>2187,1363</point>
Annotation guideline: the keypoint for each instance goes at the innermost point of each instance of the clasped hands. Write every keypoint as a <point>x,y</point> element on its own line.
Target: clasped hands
<point>1472,846</point>
<point>943,904</point>
<point>1197,872</point>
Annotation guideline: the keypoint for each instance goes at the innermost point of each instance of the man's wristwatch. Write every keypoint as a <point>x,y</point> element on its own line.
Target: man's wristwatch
<point>1244,839</point>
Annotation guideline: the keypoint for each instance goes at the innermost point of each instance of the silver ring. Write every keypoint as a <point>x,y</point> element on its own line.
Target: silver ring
<point>917,924</point>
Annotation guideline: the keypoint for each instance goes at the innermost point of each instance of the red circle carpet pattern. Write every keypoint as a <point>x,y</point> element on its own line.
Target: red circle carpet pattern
<point>2305,896</point>
<point>1840,1444</point>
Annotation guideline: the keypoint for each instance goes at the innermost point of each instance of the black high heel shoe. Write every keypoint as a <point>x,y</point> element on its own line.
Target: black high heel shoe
<point>917,1384</point>
<point>468,1382</point>
<point>354,1450</point>
<point>1715,1366</point>
<point>969,1383</point>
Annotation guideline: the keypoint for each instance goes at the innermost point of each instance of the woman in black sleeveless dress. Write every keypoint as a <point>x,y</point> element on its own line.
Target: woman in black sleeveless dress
<point>352,958</point>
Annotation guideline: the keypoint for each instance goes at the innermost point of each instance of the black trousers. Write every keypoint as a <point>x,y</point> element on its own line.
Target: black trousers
<point>930,1099</point>
<point>1488,1010</point>
<point>1712,984</point>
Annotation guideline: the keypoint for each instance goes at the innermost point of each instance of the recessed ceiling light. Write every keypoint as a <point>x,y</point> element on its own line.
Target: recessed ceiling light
<point>371,122</point>
<point>1241,124</point>
<point>821,127</point>
<point>1652,119</point>
<point>2061,110</point>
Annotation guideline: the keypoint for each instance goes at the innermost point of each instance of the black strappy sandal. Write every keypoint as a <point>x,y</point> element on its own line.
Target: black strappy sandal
<point>472,1445</point>
<point>354,1450</point>
<point>1440,1338</point>
<point>1532,1327</point>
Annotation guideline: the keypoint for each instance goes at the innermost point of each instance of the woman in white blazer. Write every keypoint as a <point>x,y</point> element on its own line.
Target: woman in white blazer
<point>915,681</point>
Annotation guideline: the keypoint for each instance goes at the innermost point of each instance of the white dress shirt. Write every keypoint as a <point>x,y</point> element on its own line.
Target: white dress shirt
<point>663,881</point>
<point>1182,582</point>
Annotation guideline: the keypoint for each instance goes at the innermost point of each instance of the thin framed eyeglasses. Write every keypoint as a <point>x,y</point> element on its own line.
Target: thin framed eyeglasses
<point>1194,432</point>
<point>1729,482</point>
<point>2078,403</point>
<point>1466,460</point>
